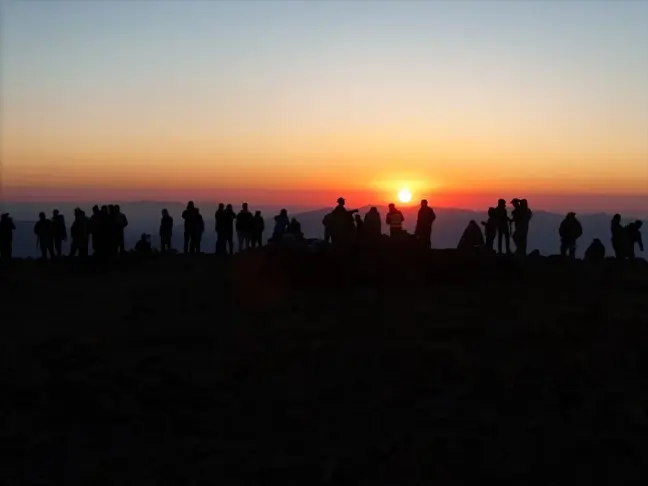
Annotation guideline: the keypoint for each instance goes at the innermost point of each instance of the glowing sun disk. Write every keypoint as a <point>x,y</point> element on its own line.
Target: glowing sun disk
<point>404,196</point>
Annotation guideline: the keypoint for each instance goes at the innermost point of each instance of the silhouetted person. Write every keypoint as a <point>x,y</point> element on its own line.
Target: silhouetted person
<point>243,227</point>
<point>424,222</point>
<point>514,212</point>
<point>472,239</point>
<point>394,220</point>
<point>521,218</point>
<point>197,232</point>
<point>373,224</point>
<point>503,228</point>
<point>107,231</point>
<point>111,230</point>
<point>619,237</point>
<point>490,228</point>
<point>570,230</point>
<point>228,228</point>
<point>143,246</point>
<point>7,228</point>
<point>327,221</point>
<point>342,226</point>
<point>219,226</point>
<point>359,226</point>
<point>121,222</point>
<point>595,252</point>
<point>166,231</point>
<point>258,227</point>
<point>633,231</point>
<point>95,229</point>
<point>281,225</point>
<point>294,229</point>
<point>44,236</point>
<point>59,232</point>
<point>80,233</point>
<point>189,217</point>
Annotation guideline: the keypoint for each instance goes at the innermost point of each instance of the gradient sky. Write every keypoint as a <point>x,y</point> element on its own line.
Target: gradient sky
<point>146,99</point>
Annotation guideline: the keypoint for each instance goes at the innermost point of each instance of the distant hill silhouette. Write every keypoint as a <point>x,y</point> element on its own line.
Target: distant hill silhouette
<point>144,218</point>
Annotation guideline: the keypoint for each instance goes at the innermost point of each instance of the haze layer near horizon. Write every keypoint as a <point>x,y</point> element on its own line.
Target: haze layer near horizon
<point>184,99</point>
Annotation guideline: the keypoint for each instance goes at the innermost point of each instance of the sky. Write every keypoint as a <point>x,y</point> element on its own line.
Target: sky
<point>308,100</point>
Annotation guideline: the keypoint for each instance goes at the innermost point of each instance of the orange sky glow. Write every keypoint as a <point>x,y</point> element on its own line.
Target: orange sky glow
<point>310,114</point>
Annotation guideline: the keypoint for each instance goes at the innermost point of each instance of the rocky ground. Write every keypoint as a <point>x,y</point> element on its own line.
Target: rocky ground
<point>388,367</point>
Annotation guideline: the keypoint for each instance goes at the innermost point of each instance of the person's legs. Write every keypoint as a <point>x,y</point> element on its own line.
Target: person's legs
<point>524,235</point>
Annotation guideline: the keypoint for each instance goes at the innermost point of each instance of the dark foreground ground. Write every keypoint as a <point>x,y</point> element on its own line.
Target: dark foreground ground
<point>324,369</point>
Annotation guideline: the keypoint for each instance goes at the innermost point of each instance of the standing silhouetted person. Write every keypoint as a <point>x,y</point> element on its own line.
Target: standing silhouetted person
<point>619,237</point>
<point>80,233</point>
<point>633,231</point>
<point>166,231</point>
<point>359,226</point>
<point>503,228</point>
<point>515,212</point>
<point>59,232</point>
<point>121,222</point>
<point>342,226</point>
<point>423,231</point>
<point>243,227</point>
<point>373,224</point>
<point>394,220</point>
<point>258,227</point>
<point>44,236</point>
<point>95,229</point>
<point>595,253</point>
<point>112,230</point>
<point>521,218</point>
<point>570,230</point>
<point>189,217</point>
<point>490,228</point>
<point>225,217</point>
<point>197,232</point>
<point>228,226</point>
<point>327,222</point>
<point>7,228</point>
<point>281,225</point>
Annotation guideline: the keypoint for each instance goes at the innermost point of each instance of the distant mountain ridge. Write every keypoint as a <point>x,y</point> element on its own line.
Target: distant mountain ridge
<point>144,218</point>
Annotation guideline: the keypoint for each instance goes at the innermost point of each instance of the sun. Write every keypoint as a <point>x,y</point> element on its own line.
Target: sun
<point>404,196</point>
